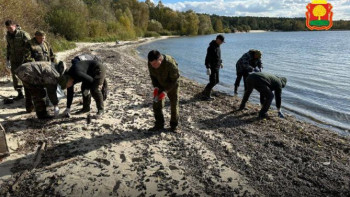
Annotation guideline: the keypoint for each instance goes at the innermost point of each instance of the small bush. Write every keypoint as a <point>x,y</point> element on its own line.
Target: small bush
<point>165,33</point>
<point>152,34</point>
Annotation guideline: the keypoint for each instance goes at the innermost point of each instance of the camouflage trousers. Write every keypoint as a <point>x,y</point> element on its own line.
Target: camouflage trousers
<point>38,95</point>
<point>17,83</point>
<point>174,108</point>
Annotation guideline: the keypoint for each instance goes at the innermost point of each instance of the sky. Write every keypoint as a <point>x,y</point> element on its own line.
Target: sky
<point>269,8</point>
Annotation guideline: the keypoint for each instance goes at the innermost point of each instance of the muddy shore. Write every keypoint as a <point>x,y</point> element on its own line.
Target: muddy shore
<point>220,152</point>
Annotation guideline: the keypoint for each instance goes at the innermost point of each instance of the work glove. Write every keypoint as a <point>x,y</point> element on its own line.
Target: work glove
<point>208,71</point>
<point>67,112</point>
<point>8,64</point>
<point>280,114</point>
<point>221,65</point>
<point>159,97</point>
<point>56,110</point>
<point>86,93</point>
<point>155,92</point>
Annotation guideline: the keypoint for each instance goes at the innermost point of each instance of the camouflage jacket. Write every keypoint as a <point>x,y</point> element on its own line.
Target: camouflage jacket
<point>36,52</point>
<point>166,76</point>
<point>247,63</point>
<point>16,44</point>
<point>38,73</point>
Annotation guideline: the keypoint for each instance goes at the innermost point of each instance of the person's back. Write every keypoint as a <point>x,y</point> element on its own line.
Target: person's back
<point>272,81</point>
<point>265,84</point>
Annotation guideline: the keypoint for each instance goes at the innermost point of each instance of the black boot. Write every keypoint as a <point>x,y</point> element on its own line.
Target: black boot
<point>157,127</point>
<point>207,95</point>
<point>19,96</point>
<point>174,128</point>
<point>236,90</point>
<point>43,115</point>
<point>86,105</point>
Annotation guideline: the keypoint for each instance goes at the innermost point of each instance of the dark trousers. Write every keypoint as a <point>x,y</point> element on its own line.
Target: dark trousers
<point>239,78</point>
<point>28,98</point>
<point>38,95</point>
<point>266,97</point>
<point>96,87</point>
<point>173,96</point>
<point>213,80</point>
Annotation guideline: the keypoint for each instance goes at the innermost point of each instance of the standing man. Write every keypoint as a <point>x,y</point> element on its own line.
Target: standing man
<point>265,83</point>
<point>249,62</point>
<point>85,92</point>
<point>164,75</point>
<point>92,75</point>
<point>38,49</point>
<point>37,76</point>
<point>213,63</point>
<point>16,42</point>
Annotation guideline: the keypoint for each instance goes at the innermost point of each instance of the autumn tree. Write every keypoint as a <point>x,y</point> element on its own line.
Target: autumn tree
<point>218,27</point>
<point>205,26</point>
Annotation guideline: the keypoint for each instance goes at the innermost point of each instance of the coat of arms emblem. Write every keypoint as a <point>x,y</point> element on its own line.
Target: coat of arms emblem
<point>319,15</point>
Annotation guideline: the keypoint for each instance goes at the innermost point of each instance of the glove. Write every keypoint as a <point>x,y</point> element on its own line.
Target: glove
<point>159,97</point>
<point>67,112</point>
<point>221,65</point>
<point>208,71</point>
<point>56,111</point>
<point>86,93</point>
<point>8,64</point>
<point>280,114</point>
<point>257,70</point>
<point>155,92</point>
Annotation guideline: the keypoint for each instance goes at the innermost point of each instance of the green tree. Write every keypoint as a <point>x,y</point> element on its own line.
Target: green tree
<point>205,26</point>
<point>218,27</point>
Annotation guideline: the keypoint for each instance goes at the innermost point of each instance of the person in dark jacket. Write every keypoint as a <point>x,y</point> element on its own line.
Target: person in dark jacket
<point>249,62</point>
<point>92,75</point>
<point>213,63</point>
<point>85,92</point>
<point>266,84</point>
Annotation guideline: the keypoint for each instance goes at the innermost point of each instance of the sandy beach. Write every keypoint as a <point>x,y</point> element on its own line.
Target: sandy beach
<point>219,152</point>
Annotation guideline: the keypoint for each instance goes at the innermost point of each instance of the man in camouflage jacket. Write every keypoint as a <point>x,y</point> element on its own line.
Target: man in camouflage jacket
<point>164,74</point>
<point>16,42</point>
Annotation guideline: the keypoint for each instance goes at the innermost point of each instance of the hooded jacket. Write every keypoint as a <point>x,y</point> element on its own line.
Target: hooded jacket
<point>213,58</point>
<point>274,83</point>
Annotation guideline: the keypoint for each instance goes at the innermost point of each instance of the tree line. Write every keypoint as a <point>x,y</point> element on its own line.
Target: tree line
<point>110,20</point>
